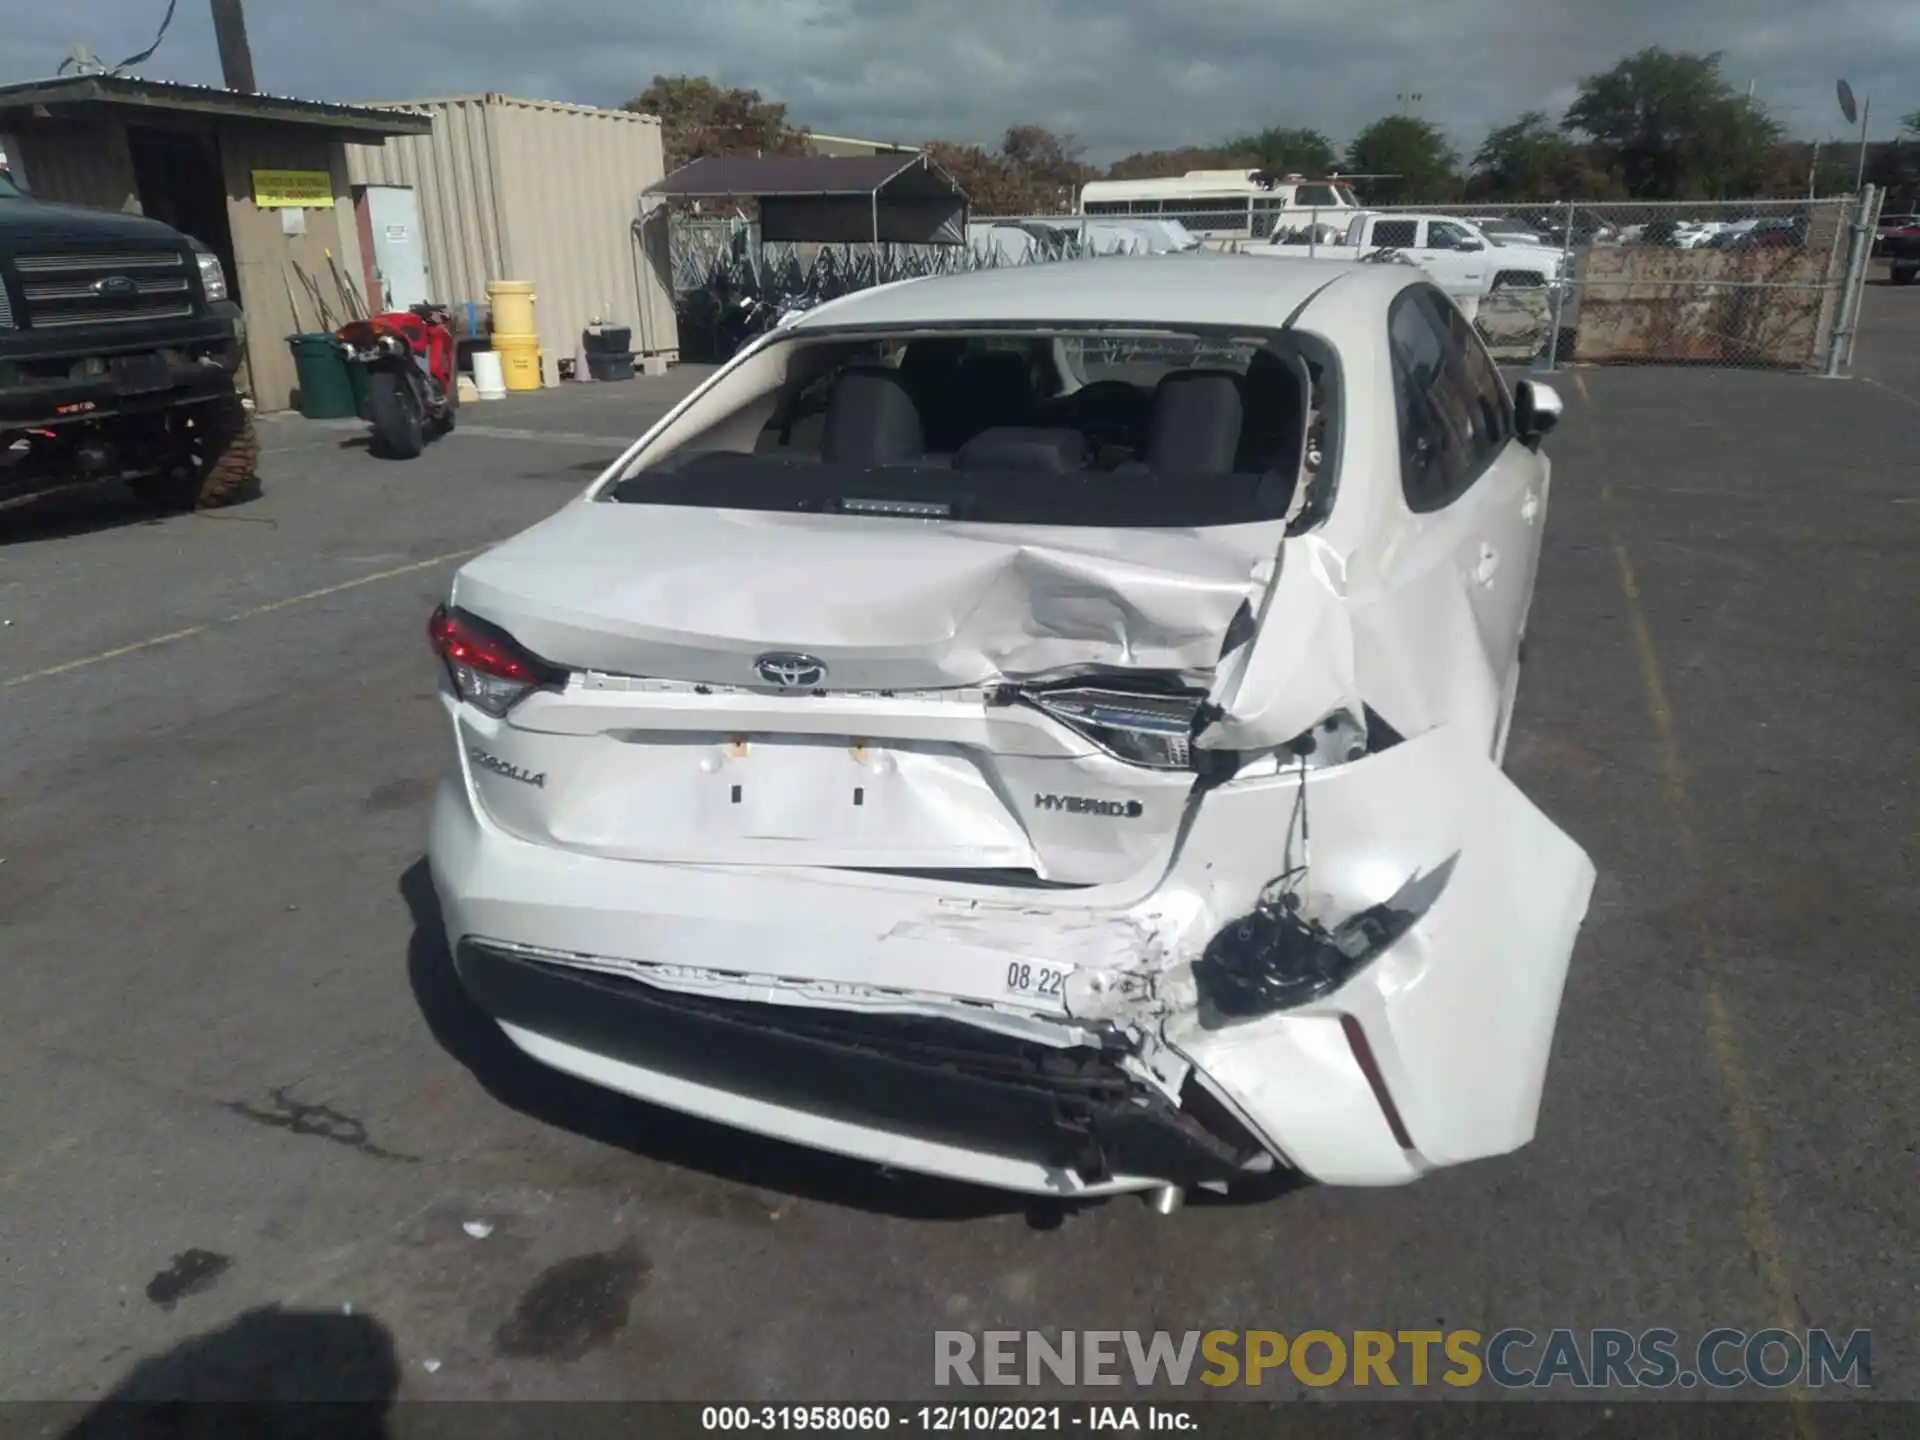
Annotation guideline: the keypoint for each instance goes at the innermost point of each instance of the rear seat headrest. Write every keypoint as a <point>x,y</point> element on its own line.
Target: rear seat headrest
<point>1016,447</point>
<point>1197,418</point>
<point>992,388</point>
<point>871,419</point>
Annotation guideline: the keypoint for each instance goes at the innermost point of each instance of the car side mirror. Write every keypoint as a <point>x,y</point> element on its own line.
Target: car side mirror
<point>1536,410</point>
<point>1470,245</point>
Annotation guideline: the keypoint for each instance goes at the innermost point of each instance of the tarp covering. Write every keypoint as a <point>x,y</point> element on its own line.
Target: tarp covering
<point>891,199</point>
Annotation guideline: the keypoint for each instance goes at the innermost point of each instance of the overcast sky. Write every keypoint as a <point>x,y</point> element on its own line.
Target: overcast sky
<point>1122,75</point>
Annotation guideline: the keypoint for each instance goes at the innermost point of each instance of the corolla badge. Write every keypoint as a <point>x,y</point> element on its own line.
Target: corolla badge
<point>790,671</point>
<point>502,767</point>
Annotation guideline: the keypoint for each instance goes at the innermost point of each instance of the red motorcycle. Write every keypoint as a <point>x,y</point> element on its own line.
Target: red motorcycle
<point>407,357</point>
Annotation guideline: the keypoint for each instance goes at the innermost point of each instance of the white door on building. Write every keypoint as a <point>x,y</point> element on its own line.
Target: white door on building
<point>399,249</point>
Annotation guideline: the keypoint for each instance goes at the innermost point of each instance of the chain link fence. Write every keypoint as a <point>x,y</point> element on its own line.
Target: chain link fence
<point>1768,284</point>
<point>728,285</point>
<point>1764,284</point>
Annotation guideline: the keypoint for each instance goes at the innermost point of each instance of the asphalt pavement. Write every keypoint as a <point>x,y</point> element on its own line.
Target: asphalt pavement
<point>238,1074</point>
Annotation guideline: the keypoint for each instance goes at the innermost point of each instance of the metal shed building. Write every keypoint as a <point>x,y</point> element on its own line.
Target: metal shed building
<point>536,190</point>
<point>217,165</point>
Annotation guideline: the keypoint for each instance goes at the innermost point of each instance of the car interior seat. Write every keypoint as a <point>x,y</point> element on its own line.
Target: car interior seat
<point>990,388</point>
<point>1198,416</point>
<point>871,419</point>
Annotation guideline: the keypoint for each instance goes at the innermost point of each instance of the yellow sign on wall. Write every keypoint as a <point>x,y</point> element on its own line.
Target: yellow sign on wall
<point>280,189</point>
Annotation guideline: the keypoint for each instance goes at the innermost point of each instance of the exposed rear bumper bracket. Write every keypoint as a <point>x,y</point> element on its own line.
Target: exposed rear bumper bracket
<point>1075,1110</point>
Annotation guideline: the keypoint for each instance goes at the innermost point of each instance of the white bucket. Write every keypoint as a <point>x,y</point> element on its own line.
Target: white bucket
<point>488,376</point>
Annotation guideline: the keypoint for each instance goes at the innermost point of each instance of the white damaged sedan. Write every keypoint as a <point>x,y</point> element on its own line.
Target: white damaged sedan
<point>1040,727</point>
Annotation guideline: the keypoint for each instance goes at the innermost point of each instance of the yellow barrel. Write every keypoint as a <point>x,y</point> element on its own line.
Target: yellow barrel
<point>520,359</point>
<point>512,302</point>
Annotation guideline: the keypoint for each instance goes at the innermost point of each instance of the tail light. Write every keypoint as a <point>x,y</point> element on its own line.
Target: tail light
<point>1155,730</point>
<point>488,667</point>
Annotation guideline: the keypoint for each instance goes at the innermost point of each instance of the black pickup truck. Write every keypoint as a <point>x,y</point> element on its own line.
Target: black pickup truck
<point>119,348</point>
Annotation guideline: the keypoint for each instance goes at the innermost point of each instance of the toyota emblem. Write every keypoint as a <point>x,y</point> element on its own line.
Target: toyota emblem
<point>790,671</point>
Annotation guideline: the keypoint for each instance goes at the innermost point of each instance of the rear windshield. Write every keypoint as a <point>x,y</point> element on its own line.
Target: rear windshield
<point>1083,428</point>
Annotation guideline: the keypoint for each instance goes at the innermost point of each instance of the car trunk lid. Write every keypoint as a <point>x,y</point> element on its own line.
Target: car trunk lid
<point>759,688</point>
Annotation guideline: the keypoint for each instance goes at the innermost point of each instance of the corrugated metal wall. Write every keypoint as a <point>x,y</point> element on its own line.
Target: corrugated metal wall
<point>451,172</point>
<point>540,191</point>
<point>78,164</point>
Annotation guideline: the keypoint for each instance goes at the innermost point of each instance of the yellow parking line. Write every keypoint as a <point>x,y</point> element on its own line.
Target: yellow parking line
<point>105,655</point>
<point>1757,1224</point>
<point>1889,390</point>
<point>356,583</point>
<point>250,614</point>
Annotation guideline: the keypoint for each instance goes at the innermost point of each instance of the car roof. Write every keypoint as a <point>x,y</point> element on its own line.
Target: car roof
<point>1193,289</point>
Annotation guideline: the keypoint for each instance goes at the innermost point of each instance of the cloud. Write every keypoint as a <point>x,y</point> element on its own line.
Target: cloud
<point>1121,74</point>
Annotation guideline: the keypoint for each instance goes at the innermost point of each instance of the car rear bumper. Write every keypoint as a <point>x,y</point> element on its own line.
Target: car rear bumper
<point>915,1093</point>
<point>524,923</point>
<point>703,988</point>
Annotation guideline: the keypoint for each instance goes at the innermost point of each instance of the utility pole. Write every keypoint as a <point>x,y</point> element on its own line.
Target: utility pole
<point>230,35</point>
<point>1860,170</point>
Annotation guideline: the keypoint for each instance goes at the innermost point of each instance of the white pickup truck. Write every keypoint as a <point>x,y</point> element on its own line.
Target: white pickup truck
<point>1459,257</point>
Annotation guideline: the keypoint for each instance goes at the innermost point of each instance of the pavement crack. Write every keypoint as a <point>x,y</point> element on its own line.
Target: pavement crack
<point>322,1121</point>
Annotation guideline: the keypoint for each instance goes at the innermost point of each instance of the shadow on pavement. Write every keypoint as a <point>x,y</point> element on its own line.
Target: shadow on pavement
<point>272,1373</point>
<point>105,505</point>
<point>471,1037</point>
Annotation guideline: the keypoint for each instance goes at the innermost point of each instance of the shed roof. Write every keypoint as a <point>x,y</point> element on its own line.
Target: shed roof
<point>130,91</point>
<point>904,199</point>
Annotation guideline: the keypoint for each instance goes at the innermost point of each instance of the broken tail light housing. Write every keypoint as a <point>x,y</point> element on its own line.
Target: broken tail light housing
<point>1275,958</point>
<point>488,667</point>
<point>1334,739</point>
<point>1141,727</point>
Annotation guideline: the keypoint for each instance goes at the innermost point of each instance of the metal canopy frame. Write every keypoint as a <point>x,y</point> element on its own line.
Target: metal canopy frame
<point>876,199</point>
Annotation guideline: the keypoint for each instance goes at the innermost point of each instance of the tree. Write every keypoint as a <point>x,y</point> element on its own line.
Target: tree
<point>991,184</point>
<point>1672,128</point>
<point>1050,164</point>
<point>1034,172</point>
<point>1910,125</point>
<point>1287,151</point>
<point>1167,164</point>
<point>1410,155</point>
<point>1532,159</point>
<point>698,118</point>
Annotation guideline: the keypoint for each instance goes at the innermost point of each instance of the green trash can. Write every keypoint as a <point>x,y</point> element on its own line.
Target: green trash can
<point>326,389</point>
<point>357,378</point>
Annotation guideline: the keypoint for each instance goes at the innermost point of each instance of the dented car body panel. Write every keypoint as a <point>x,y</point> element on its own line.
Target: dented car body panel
<point>1071,854</point>
<point>699,594</point>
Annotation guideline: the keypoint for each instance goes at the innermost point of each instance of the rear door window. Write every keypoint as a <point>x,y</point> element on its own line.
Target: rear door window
<point>1454,412</point>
